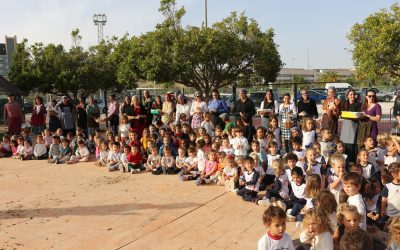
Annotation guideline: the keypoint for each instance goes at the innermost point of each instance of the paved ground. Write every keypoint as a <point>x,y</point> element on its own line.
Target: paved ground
<point>84,207</point>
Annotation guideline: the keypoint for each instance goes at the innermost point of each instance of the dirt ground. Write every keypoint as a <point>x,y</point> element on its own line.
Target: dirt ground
<point>82,206</point>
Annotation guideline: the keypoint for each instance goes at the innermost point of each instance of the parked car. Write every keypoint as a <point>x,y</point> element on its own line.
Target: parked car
<point>316,95</point>
<point>229,99</point>
<point>27,107</point>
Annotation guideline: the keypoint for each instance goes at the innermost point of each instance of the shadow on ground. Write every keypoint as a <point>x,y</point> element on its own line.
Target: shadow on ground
<point>118,209</point>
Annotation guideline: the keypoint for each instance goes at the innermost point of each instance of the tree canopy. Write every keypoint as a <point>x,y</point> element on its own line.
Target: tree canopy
<point>376,44</point>
<point>199,57</point>
<point>203,58</point>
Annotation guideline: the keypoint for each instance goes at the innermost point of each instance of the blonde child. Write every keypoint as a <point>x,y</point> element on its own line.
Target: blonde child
<point>390,206</point>
<point>280,190</point>
<point>180,159</point>
<point>394,232</point>
<point>349,235</point>
<point>367,167</point>
<point>313,186</point>
<point>274,219</point>
<point>308,131</point>
<point>325,201</point>
<point>226,147</point>
<point>47,138</point>
<point>81,154</point>
<point>20,148</point>
<point>40,149</point>
<point>317,231</point>
<point>124,128</point>
<point>145,138</point>
<point>312,166</point>
<point>392,154</point>
<point>336,174</point>
<point>210,171</point>
<point>381,148</point>
<point>189,172</point>
<point>153,160</point>
<point>229,174</point>
<point>103,155</point>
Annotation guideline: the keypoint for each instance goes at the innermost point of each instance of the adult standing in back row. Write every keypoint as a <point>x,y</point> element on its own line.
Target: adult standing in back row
<point>13,115</point>
<point>113,114</point>
<point>331,109</point>
<point>306,107</point>
<point>244,106</point>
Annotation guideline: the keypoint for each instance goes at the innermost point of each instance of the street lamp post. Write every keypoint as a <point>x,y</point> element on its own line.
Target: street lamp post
<point>205,13</point>
<point>100,20</point>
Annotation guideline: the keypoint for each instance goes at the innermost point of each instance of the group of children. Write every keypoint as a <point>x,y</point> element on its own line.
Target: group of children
<point>314,182</point>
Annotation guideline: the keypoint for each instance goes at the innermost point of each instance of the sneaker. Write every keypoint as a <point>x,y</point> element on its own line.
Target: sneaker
<point>281,204</point>
<point>133,171</point>
<point>57,161</point>
<point>138,170</point>
<point>264,203</point>
<point>291,218</point>
<point>207,181</point>
<point>288,211</point>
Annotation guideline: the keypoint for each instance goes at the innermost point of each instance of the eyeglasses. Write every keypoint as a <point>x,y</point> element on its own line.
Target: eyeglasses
<point>370,96</point>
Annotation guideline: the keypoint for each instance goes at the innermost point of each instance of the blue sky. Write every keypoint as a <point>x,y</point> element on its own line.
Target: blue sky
<point>317,26</point>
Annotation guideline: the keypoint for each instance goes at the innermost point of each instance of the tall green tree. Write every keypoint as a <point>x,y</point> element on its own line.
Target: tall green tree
<point>202,58</point>
<point>376,43</point>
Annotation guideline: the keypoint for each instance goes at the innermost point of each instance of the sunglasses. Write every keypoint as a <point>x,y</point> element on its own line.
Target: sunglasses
<point>370,96</point>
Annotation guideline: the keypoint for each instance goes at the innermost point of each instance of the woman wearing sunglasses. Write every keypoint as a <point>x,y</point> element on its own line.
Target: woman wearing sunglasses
<point>373,111</point>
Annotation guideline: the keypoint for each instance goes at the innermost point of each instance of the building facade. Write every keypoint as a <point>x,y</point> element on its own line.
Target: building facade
<point>311,75</point>
<point>6,54</point>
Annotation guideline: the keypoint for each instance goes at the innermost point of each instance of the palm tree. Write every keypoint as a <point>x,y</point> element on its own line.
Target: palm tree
<point>329,76</point>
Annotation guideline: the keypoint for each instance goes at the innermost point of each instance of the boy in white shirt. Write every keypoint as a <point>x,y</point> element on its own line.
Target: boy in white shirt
<point>208,125</point>
<point>40,149</point>
<point>274,219</point>
<point>81,154</point>
<point>239,143</point>
<point>113,157</point>
<point>351,186</point>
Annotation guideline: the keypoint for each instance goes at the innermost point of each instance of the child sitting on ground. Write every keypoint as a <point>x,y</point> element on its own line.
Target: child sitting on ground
<point>113,157</point>
<point>123,159</point>
<point>274,219</point>
<point>189,172</point>
<point>229,175</point>
<point>103,155</point>
<point>40,149</point>
<point>135,160</point>
<point>5,147</point>
<point>280,189</point>
<point>27,151</point>
<point>250,182</point>
<point>325,201</point>
<point>65,152</point>
<point>81,154</point>
<point>154,159</point>
<point>210,171</point>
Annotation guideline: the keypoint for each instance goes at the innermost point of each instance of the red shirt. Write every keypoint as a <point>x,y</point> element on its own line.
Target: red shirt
<point>135,159</point>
